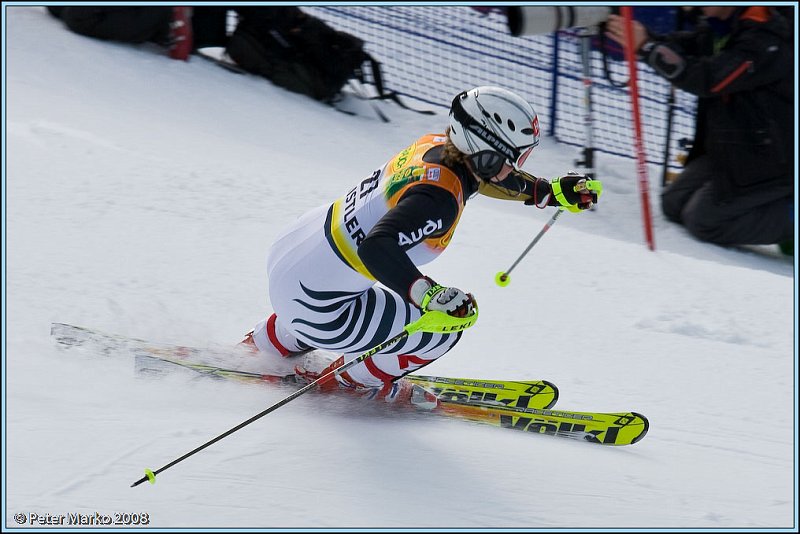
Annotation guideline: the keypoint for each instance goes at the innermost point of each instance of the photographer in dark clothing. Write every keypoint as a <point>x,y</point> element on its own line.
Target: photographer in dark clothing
<point>180,29</point>
<point>284,44</point>
<point>737,187</point>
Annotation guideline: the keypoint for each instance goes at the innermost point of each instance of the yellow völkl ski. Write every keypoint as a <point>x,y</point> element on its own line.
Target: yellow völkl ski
<point>517,405</point>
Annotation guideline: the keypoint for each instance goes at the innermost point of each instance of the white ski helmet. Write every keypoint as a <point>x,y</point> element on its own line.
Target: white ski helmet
<point>493,126</point>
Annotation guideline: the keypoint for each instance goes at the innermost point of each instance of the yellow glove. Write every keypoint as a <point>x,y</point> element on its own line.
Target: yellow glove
<point>575,191</point>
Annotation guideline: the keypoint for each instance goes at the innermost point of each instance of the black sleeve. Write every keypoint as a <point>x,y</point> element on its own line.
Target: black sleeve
<point>424,212</point>
<point>755,56</point>
<point>516,185</point>
<point>520,185</point>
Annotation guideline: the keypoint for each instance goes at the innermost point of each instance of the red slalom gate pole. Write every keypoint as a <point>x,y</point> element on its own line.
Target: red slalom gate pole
<point>641,161</point>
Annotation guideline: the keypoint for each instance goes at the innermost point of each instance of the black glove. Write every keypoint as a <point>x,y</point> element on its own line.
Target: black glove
<point>666,59</point>
<point>575,191</point>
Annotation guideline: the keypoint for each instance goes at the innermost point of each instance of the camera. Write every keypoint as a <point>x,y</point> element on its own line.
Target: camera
<point>541,20</point>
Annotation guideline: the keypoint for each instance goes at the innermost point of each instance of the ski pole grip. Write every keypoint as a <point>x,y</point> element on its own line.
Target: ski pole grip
<point>438,322</point>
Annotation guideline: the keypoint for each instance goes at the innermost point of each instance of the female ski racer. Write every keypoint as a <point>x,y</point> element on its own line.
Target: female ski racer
<point>345,276</point>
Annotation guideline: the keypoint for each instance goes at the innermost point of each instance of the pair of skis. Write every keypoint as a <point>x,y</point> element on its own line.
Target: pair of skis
<point>519,405</point>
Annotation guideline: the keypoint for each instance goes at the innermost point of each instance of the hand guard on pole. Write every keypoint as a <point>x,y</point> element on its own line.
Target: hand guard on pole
<point>428,296</point>
<point>575,192</point>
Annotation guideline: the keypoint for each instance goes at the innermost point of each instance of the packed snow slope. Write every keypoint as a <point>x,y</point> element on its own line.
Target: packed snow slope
<point>142,195</point>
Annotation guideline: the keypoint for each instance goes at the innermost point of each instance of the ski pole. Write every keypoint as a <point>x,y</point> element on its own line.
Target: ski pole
<point>679,20</point>
<point>588,118</point>
<point>670,113</point>
<point>502,278</point>
<point>431,321</point>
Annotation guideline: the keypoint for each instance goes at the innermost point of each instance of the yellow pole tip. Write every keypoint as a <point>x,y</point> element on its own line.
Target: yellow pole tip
<point>150,476</point>
<point>502,279</point>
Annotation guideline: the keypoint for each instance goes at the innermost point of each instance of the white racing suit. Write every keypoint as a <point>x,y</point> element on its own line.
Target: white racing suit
<point>325,297</point>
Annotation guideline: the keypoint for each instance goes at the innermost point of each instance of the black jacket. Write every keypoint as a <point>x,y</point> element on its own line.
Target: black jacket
<point>745,114</point>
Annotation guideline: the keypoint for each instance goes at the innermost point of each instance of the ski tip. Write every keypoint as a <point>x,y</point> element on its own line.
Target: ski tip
<point>555,394</point>
<point>646,423</point>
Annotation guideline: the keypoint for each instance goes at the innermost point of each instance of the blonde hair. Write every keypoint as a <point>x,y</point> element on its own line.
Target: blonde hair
<point>450,154</point>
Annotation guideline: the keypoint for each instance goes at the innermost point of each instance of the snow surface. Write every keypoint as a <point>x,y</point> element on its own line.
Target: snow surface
<point>142,195</point>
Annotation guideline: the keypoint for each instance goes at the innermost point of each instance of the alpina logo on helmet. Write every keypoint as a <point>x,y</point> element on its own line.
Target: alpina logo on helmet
<point>493,140</point>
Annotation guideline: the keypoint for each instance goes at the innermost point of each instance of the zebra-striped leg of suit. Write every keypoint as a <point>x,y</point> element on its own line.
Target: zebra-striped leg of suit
<point>324,303</point>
